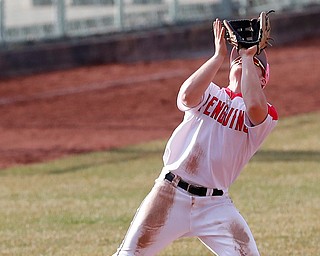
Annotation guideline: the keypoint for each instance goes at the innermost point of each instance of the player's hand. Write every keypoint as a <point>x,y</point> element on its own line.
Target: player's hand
<point>219,39</point>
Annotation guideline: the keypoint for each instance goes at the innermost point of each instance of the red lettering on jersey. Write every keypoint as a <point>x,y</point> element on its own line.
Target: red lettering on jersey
<point>220,111</point>
<point>210,104</point>
<point>233,118</point>
<point>226,120</point>
<point>223,114</point>
<point>217,109</point>
<point>240,121</point>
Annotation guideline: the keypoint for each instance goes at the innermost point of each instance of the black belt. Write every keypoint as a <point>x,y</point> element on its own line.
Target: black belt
<point>195,190</point>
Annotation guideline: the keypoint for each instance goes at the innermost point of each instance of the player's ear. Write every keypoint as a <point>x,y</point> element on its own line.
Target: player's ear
<point>263,82</point>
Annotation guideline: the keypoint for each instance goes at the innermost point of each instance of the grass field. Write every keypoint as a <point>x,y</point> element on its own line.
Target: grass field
<point>82,205</point>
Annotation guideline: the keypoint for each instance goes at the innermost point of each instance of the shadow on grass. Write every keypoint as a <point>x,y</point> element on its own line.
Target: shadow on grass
<point>287,156</point>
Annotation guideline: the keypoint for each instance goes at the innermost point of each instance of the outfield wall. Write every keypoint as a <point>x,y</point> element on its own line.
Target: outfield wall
<point>185,40</point>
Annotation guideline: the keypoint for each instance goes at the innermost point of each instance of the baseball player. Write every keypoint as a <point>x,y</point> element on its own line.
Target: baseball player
<point>222,129</point>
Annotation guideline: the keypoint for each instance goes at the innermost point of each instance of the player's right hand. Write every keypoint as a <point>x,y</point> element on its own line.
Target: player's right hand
<point>219,38</point>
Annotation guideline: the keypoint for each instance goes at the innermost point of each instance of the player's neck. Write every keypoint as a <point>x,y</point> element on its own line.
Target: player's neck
<point>235,86</point>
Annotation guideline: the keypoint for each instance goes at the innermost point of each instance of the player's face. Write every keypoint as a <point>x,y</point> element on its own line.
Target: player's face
<point>236,69</point>
<point>260,69</point>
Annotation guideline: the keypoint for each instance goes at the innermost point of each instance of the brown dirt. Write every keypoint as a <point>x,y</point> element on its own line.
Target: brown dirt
<point>51,115</point>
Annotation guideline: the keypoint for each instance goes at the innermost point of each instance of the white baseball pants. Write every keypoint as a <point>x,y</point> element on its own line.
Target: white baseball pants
<point>169,213</point>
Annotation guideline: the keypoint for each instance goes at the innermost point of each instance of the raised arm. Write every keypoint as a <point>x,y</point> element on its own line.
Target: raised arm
<point>252,91</point>
<point>194,87</point>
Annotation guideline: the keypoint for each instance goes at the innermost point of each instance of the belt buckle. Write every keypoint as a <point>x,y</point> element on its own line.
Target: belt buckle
<point>209,191</point>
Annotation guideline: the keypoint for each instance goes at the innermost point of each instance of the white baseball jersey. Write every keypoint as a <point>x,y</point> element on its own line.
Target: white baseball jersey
<point>215,139</point>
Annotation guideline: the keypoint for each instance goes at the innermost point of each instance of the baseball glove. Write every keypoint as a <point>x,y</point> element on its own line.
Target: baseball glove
<point>246,33</point>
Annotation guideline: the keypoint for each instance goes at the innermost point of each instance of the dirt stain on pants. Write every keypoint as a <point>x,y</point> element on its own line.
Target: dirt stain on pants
<point>156,215</point>
<point>241,238</point>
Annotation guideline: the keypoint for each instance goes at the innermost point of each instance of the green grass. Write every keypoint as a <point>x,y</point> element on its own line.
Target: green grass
<point>83,205</point>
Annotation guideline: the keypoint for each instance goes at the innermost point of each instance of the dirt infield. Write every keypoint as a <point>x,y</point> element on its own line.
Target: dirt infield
<point>51,115</point>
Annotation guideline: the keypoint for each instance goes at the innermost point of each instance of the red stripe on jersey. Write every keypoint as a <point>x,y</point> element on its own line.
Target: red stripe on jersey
<point>273,112</point>
<point>232,94</point>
